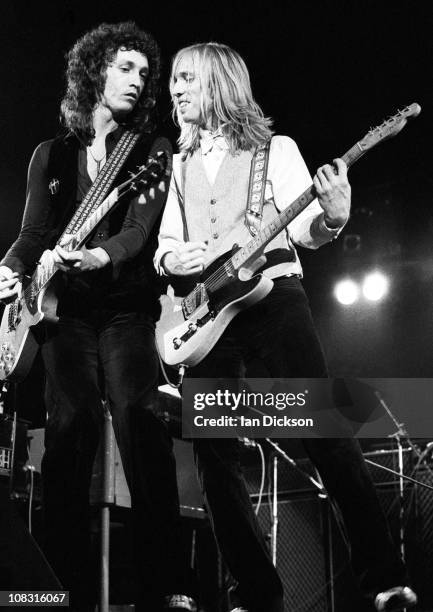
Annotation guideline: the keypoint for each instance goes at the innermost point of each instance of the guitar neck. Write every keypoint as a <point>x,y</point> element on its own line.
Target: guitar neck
<point>46,269</point>
<point>256,245</point>
<point>93,220</point>
<point>254,248</point>
<point>84,221</point>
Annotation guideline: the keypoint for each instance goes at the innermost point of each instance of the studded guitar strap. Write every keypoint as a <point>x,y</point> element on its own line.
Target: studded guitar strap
<point>256,188</point>
<point>103,182</point>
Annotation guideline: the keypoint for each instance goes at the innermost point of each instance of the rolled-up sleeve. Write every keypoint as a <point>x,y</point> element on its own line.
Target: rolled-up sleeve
<point>289,178</point>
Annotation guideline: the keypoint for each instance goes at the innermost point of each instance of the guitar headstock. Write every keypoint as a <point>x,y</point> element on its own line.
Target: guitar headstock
<point>390,127</point>
<point>150,173</point>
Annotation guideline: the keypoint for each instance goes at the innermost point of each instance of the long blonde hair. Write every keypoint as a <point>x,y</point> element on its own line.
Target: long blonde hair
<point>227,101</point>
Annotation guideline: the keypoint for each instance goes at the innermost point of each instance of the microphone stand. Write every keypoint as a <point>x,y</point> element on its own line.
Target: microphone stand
<point>107,499</point>
<point>323,496</point>
<point>274,527</point>
<point>318,485</point>
<point>399,435</point>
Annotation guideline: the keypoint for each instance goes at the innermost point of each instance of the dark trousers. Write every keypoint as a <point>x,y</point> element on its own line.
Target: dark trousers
<point>278,333</point>
<point>112,356</point>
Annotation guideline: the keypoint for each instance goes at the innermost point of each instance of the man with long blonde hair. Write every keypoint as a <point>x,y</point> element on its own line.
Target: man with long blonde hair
<point>208,210</point>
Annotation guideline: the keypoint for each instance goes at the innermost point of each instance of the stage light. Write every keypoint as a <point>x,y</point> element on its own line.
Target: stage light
<point>346,292</point>
<point>375,286</point>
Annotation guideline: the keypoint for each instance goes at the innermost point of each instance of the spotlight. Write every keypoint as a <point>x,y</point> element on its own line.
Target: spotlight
<point>375,286</point>
<point>346,292</point>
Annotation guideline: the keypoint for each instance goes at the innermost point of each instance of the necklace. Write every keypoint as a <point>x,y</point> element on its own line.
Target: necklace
<point>98,162</point>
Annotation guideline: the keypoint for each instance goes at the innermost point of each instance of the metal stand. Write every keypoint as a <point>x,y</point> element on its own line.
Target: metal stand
<point>323,496</point>
<point>398,436</point>
<point>274,528</point>
<point>107,500</point>
<point>318,485</point>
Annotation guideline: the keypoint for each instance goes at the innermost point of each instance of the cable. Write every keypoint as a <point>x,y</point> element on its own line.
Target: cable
<point>32,482</point>
<point>409,478</point>
<point>262,482</point>
<point>30,468</point>
<point>180,374</point>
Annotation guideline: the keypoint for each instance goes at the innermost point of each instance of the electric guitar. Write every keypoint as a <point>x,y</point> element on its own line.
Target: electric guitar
<point>38,302</point>
<point>189,327</point>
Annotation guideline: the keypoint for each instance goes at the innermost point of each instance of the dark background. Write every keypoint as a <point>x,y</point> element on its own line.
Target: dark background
<point>326,72</point>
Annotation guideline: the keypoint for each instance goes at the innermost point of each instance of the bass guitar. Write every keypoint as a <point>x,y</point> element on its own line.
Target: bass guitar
<point>190,326</point>
<point>38,302</point>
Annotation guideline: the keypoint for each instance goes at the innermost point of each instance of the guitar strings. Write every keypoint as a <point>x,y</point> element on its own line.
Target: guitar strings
<point>220,274</point>
<point>295,207</point>
<point>35,288</point>
<point>216,278</point>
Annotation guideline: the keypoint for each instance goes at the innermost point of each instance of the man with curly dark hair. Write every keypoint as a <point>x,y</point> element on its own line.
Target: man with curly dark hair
<point>86,74</point>
<point>103,345</point>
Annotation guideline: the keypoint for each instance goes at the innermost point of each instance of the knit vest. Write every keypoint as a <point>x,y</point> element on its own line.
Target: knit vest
<point>217,212</point>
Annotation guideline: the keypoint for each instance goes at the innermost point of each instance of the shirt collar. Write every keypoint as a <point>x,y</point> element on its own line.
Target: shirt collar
<point>212,141</point>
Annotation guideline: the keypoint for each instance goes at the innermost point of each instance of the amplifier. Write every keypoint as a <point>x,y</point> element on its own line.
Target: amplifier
<point>7,444</point>
<point>294,483</point>
<point>311,554</point>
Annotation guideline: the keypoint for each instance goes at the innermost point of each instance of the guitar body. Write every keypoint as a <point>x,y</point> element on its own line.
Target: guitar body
<point>190,327</point>
<point>20,321</point>
<point>187,339</point>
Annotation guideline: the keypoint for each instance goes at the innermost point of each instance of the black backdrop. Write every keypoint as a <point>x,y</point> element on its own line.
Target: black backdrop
<point>325,71</point>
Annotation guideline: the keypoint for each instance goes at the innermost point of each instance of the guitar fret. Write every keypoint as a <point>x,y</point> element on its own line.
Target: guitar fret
<point>287,215</point>
<point>45,271</point>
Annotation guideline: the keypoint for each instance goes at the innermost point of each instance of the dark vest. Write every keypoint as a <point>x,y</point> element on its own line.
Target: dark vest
<point>62,168</point>
<point>137,287</point>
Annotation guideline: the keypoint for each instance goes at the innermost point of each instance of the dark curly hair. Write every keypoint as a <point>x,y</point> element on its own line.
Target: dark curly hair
<point>86,75</point>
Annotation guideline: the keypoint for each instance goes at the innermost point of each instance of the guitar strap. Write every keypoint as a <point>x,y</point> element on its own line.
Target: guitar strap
<point>181,197</point>
<point>103,182</point>
<point>256,188</point>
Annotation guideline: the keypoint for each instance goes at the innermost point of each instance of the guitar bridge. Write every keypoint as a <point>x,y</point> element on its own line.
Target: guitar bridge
<point>14,315</point>
<point>193,300</point>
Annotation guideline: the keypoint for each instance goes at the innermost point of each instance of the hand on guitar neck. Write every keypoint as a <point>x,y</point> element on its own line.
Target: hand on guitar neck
<point>333,193</point>
<point>79,260</point>
<point>10,285</point>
